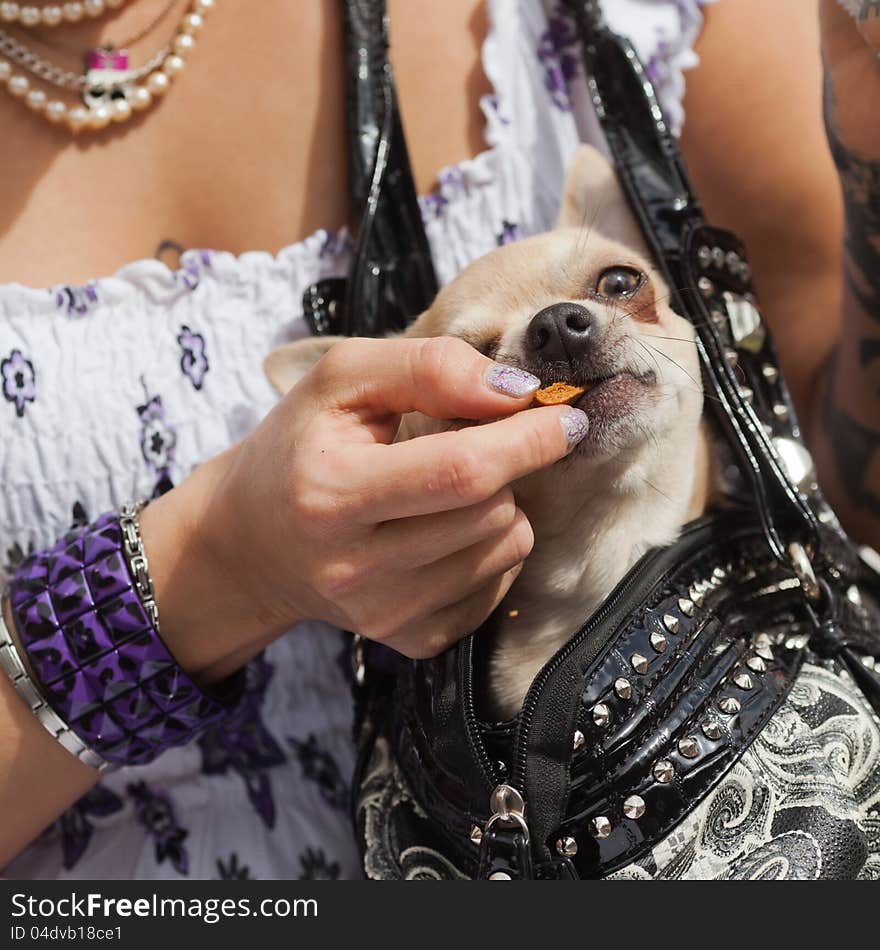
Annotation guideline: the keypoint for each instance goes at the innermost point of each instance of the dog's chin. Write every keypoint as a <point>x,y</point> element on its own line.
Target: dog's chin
<point>619,410</point>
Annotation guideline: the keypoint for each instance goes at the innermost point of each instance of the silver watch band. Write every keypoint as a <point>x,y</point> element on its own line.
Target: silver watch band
<point>13,666</point>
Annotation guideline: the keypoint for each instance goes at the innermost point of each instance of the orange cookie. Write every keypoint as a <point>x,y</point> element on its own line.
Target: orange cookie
<point>559,394</point>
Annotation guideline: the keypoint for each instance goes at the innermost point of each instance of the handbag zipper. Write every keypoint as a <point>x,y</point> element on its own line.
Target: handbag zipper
<point>512,789</point>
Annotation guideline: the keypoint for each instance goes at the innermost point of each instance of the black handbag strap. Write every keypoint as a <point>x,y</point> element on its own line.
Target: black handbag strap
<point>391,279</point>
<point>708,274</point>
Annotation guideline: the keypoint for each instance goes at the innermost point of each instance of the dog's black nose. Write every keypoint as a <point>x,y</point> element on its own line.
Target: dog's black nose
<point>560,333</point>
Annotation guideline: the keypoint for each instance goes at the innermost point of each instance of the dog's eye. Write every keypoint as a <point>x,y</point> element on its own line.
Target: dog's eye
<point>486,346</point>
<point>618,282</point>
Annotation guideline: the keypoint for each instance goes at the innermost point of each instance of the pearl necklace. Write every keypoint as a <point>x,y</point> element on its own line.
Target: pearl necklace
<point>56,14</point>
<point>122,96</point>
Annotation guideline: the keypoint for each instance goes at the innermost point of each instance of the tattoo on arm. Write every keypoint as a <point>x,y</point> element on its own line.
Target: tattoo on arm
<point>869,352</point>
<point>861,9</point>
<point>856,451</point>
<point>855,446</point>
<point>860,179</point>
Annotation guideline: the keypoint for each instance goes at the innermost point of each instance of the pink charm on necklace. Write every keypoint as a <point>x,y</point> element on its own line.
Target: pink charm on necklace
<point>107,76</point>
<point>113,60</point>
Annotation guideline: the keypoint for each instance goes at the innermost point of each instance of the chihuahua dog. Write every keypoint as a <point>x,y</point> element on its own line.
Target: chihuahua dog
<point>581,304</point>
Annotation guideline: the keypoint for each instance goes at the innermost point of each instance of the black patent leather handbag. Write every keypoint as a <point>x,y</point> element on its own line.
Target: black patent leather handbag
<point>662,690</point>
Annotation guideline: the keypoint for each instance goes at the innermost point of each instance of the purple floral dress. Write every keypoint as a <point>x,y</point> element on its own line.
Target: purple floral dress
<point>116,389</point>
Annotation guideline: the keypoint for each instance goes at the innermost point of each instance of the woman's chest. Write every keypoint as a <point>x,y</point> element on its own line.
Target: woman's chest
<point>247,149</point>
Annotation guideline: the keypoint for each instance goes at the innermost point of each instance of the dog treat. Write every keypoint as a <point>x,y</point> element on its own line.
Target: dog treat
<point>559,394</point>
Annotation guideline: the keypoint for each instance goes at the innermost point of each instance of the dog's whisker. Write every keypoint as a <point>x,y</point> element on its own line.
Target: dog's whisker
<point>676,339</point>
<point>671,360</point>
<point>650,350</point>
<point>650,484</point>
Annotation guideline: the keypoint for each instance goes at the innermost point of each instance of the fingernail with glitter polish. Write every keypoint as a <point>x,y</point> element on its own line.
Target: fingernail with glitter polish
<point>575,425</point>
<point>511,381</point>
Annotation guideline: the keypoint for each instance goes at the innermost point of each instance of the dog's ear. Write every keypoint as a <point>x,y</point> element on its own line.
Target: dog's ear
<point>593,200</point>
<point>287,365</point>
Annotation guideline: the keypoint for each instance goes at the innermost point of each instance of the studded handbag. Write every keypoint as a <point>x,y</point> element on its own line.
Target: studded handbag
<point>684,729</point>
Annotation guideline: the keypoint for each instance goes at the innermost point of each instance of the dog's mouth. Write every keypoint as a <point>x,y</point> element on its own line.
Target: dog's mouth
<point>617,406</point>
<point>598,391</point>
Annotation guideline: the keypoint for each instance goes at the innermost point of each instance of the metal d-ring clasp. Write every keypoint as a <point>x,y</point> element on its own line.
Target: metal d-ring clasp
<point>508,807</point>
<point>803,569</point>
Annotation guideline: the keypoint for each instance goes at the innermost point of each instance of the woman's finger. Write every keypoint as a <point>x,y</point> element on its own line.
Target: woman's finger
<point>414,542</point>
<point>442,377</point>
<point>449,470</point>
<point>459,575</point>
<point>446,627</point>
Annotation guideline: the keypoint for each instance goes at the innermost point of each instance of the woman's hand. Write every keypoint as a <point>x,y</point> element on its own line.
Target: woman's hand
<point>319,515</point>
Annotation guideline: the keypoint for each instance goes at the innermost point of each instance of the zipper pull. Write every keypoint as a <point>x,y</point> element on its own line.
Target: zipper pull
<point>504,845</point>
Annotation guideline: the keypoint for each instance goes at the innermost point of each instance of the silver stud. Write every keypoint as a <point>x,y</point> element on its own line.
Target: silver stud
<point>500,876</point>
<point>854,595</point>
<point>634,807</point>
<point>745,323</point>
<point>720,320</point>
<point>578,740</point>
<point>869,662</point>
<point>765,653</point>
<point>711,729</point>
<point>686,606</point>
<point>671,623</point>
<point>707,288</point>
<point>689,747</point>
<point>767,428</point>
<point>601,714</point>
<point>658,642</point>
<point>743,680</point>
<point>770,373</point>
<point>704,256</point>
<point>639,663</point>
<point>730,705</point>
<point>718,575</point>
<point>733,261</point>
<point>796,461</point>
<point>697,595</point>
<point>745,272</point>
<point>623,688</point>
<point>476,834</point>
<point>601,827</point>
<point>663,771</point>
<point>756,664</point>
<point>780,410</point>
<point>732,358</point>
<point>718,257</point>
<point>567,846</point>
<point>761,640</point>
<point>747,394</point>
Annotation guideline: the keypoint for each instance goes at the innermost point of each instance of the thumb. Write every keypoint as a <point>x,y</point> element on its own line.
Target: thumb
<point>442,377</point>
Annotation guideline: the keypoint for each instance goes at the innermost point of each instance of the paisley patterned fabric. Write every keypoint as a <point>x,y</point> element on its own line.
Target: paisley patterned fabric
<point>118,388</point>
<point>803,803</point>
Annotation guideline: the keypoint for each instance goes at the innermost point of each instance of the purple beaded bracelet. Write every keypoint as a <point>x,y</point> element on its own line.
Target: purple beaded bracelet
<point>96,654</point>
